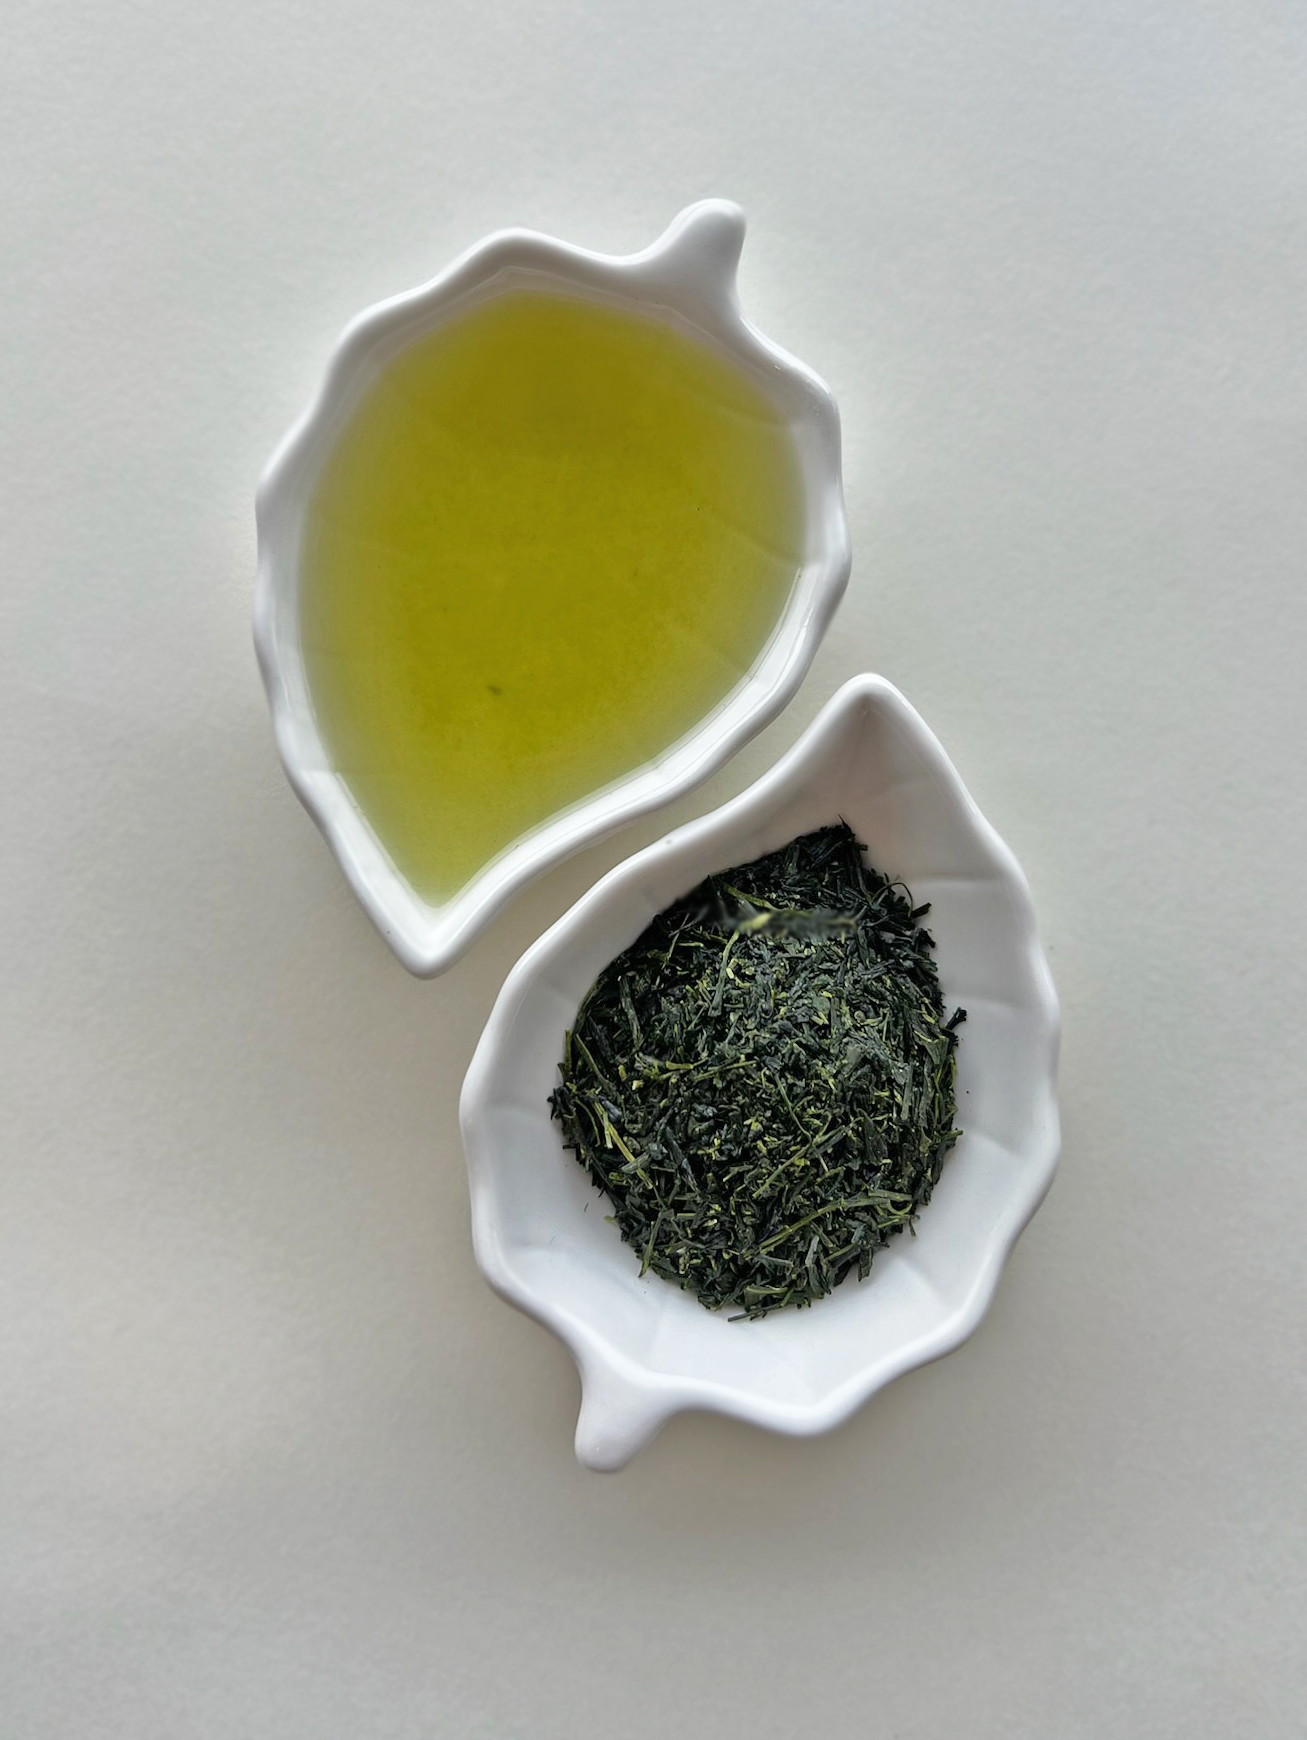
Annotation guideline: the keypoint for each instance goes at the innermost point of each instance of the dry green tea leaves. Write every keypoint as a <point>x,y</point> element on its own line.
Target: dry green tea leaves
<point>763,1084</point>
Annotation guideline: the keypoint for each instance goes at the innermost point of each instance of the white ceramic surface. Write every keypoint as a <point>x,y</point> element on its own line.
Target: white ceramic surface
<point>686,278</point>
<point>644,1348</point>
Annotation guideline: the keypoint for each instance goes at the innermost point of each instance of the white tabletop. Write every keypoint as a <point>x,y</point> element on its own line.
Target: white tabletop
<point>273,1459</point>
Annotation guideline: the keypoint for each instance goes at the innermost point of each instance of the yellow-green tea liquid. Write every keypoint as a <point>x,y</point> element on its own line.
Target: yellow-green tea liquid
<point>551,538</point>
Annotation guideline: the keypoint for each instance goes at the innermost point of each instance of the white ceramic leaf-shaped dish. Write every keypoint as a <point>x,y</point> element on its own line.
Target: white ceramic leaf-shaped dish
<point>644,1348</point>
<point>687,279</point>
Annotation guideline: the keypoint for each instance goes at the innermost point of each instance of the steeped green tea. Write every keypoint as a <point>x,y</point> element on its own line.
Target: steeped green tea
<point>552,537</point>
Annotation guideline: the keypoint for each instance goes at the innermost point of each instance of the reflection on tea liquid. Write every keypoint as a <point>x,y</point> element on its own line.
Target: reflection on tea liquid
<point>551,538</point>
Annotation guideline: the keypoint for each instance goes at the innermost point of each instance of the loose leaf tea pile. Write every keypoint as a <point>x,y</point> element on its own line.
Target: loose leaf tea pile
<point>763,1084</point>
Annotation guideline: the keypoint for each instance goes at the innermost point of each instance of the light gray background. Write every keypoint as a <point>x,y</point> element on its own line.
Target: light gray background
<point>273,1461</point>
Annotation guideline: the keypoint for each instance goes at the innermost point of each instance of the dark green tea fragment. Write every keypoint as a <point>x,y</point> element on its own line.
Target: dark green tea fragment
<point>763,1083</point>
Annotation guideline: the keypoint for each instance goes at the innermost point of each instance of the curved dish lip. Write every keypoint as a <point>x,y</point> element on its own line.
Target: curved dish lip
<point>687,275</point>
<point>626,1399</point>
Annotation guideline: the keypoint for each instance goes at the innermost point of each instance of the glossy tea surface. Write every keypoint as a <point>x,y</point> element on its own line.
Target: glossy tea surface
<point>551,538</point>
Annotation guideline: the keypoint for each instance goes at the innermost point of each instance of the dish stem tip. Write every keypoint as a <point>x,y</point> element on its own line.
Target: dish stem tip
<point>616,1420</point>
